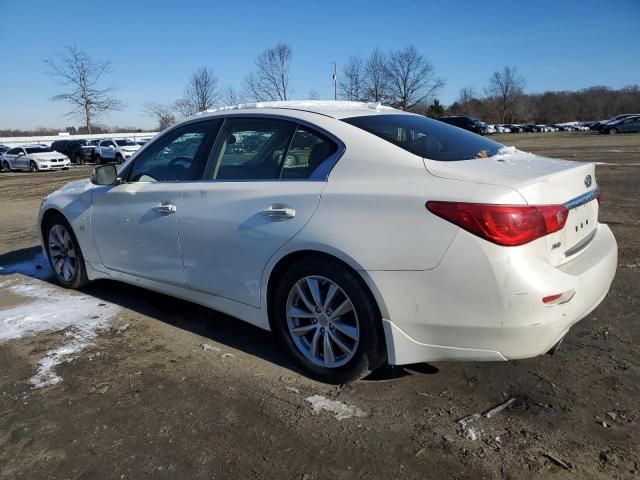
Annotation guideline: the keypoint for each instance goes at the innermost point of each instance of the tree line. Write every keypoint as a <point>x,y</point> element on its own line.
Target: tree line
<point>402,78</point>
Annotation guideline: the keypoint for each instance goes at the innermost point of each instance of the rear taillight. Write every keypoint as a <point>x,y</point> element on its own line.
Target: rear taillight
<point>507,225</point>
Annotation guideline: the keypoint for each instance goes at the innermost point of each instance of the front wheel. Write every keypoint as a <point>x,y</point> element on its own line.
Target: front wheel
<point>98,159</point>
<point>33,167</point>
<point>6,167</point>
<point>119,159</point>
<point>328,321</point>
<point>613,131</point>
<point>78,159</point>
<point>65,256</point>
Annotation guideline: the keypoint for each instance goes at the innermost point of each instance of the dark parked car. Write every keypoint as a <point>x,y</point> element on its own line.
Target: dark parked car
<point>3,148</point>
<point>603,123</point>
<point>626,125</point>
<point>515,128</point>
<point>468,123</point>
<point>78,150</point>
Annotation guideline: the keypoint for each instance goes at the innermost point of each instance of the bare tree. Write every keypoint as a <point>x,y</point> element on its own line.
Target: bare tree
<point>230,96</point>
<point>200,94</point>
<point>506,88</point>
<point>466,95</point>
<point>376,77</point>
<point>313,94</point>
<point>77,71</point>
<point>352,87</point>
<point>271,79</point>
<point>164,114</point>
<point>411,78</point>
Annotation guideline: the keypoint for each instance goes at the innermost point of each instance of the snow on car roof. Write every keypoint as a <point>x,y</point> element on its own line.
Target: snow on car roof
<point>332,108</point>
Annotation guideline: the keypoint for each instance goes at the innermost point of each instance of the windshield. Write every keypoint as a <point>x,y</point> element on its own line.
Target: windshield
<point>426,137</point>
<point>126,143</point>
<point>38,150</point>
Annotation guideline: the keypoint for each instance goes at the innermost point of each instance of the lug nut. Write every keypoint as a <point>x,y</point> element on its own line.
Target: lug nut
<point>318,310</point>
<point>322,330</point>
<point>315,320</point>
<point>329,312</point>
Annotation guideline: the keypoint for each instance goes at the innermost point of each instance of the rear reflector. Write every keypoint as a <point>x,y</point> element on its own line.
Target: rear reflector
<point>558,298</point>
<point>507,225</point>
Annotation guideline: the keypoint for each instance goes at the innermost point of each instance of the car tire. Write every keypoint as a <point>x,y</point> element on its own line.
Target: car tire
<point>613,131</point>
<point>98,159</point>
<point>354,332</point>
<point>65,256</point>
<point>33,167</point>
<point>6,167</point>
<point>78,160</point>
<point>119,159</point>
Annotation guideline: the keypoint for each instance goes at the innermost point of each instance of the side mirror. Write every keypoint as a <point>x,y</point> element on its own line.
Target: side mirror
<point>104,175</point>
<point>20,154</point>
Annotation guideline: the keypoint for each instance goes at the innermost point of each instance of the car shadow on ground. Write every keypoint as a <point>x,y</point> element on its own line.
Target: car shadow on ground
<point>185,315</point>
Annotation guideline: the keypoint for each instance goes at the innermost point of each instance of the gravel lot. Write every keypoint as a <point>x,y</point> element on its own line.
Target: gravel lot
<point>167,389</point>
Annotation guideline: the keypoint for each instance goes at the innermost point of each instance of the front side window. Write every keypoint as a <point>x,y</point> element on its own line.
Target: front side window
<point>427,138</point>
<point>176,156</point>
<point>251,149</point>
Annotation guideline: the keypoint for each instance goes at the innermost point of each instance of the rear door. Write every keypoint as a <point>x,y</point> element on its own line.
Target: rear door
<point>135,224</point>
<point>259,190</point>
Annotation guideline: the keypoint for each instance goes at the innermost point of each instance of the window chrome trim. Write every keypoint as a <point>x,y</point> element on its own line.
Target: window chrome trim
<point>582,199</point>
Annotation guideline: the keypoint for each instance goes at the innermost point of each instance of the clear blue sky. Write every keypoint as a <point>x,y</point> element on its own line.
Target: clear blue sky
<point>154,46</point>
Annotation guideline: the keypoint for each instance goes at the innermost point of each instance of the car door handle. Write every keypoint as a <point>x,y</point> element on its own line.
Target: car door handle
<point>278,213</point>
<point>165,208</point>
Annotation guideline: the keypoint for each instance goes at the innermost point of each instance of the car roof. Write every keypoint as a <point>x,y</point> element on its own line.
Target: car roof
<point>330,108</point>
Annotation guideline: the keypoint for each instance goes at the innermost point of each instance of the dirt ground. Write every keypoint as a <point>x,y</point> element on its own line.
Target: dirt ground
<point>171,390</point>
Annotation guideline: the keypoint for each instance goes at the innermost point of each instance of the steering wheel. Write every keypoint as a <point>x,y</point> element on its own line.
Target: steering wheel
<point>179,167</point>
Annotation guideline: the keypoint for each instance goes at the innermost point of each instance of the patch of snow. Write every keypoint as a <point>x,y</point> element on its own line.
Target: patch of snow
<point>340,410</point>
<point>48,309</point>
<point>305,105</point>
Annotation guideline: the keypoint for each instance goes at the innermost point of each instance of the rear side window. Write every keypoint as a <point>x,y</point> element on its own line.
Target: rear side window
<point>252,149</point>
<point>308,149</point>
<point>426,137</point>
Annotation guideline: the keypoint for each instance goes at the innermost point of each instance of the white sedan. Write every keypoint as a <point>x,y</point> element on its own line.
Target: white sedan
<point>34,158</point>
<point>360,234</point>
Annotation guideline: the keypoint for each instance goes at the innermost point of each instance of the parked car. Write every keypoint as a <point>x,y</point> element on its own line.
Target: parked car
<point>516,128</point>
<point>79,151</point>
<point>532,128</point>
<point>626,125</point>
<point>117,150</point>
<point>503,128</point>
<point>384,248</point>
<point>602,123</point>
<point>34,158</point>
<point>3,148</point>
<point>468,123</point>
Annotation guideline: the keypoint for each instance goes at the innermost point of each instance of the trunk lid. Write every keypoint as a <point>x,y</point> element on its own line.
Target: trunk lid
<point>540,181</point>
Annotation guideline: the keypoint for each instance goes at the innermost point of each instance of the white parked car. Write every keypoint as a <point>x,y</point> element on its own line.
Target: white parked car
<point>115,150</point>
<point>34,158</point>
<point>359,234</point>
<point>502,129</point>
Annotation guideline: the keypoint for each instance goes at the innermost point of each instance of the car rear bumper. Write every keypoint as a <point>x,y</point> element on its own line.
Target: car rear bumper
<point>484,302</point>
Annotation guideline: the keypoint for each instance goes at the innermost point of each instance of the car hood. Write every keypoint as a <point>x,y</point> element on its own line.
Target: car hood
<point>46,156</point>
<point>130,148</point>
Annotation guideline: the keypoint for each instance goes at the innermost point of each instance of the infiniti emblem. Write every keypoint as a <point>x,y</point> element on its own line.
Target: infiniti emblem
<point>587,181</point>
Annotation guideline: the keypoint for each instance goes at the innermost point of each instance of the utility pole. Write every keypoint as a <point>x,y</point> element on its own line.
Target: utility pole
<point>335,82</point>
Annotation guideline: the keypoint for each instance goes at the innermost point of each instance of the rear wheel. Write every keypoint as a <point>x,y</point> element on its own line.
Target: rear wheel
<point>119,159</point>
<point>6,167</point>
<point>613,131</point>
<point>78,159</point>
<point>98,158</point>
<point>328,321</point>
<point>33,166</point>
<point>64,254</point>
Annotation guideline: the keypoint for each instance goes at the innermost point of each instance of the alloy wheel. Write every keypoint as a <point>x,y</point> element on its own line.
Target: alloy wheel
<point>62,252</point>
<point>322,322</point>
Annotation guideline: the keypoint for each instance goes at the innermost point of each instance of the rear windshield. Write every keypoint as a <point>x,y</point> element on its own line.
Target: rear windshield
<point>426,137</point>
<point>126,143</point>
<point>38,150</point>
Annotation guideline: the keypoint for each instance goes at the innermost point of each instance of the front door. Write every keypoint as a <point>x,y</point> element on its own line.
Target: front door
<point>256,195</point>
<point>135,225</point>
